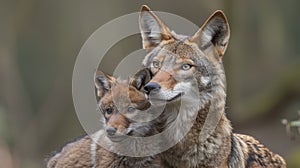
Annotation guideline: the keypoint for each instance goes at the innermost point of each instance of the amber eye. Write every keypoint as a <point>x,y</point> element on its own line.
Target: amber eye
<point>186,67</point>
<point>155,64</point>
<point>130,109</point>
<point>108,110</point>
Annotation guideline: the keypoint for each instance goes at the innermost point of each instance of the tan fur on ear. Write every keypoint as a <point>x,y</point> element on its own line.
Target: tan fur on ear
<point>214,32</point>
<point>153,30</point>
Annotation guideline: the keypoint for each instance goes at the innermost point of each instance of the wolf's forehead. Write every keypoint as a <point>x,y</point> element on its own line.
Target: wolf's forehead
<point>126,94</point>
<point>119,93</point>
<point>178,47</point>
<point>177,50</point>
<point>174,50</point>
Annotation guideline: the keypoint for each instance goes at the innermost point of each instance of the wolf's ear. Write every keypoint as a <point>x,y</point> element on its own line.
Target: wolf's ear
<point>103,83</point>
<point>215,32</point>
<point>142,77</point>
<point>152,29</point>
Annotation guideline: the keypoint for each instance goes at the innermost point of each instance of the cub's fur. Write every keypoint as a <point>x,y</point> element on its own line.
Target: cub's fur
<point>188,74</point>
<point>86,153</point>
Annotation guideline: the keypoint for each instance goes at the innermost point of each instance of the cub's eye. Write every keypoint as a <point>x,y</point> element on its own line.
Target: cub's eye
<point>155,64</point>
<point>108,110</point>
<point>186,67</point>
<point>130,109</point>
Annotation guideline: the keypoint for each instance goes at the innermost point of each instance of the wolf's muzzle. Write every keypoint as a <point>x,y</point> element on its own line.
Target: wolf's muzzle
<point>152,87</point>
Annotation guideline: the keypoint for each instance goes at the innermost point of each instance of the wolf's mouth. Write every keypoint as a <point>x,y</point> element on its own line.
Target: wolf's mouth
<point>163,99</point>
<point>176,97</point>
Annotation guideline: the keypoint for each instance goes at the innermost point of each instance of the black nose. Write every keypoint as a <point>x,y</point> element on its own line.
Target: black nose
<point>151,87</point>
<point>111,131</point>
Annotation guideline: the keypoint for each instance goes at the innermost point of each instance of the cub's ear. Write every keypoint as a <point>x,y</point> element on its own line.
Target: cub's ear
<point>142,77</point>
<point>214,33</point>
<point>152,29</point>
<point>103,83</point>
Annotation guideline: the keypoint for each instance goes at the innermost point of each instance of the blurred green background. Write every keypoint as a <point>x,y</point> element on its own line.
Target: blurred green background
<point>40,39</point>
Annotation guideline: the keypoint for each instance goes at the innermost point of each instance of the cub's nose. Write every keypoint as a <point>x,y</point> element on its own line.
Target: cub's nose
<point>151,87</point>
<point>111,131</point>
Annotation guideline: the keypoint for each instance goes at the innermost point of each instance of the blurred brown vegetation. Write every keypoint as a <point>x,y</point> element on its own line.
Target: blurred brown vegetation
<point>39,42</point>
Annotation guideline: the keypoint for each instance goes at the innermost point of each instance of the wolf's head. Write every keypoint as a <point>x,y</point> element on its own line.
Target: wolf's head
<point>182,65</point>
<point>122,104</point>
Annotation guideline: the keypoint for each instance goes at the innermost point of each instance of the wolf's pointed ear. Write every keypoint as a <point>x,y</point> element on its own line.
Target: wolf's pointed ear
<point>103,83</point>
<point>152,29</point>
<point>140,79</point>
<point>215,32</point>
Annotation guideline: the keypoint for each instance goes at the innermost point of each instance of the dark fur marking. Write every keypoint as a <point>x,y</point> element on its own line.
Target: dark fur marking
<point>254,158</point>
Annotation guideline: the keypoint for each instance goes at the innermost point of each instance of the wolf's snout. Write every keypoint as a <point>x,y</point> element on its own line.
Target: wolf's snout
<point>111,131</point>
<point>151,87</point>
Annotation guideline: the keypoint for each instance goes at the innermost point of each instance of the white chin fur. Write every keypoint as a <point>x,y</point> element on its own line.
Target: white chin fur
<point>184,88</point>
<point>205,80</point>
<point>165,95</point>
<point>189,90</point>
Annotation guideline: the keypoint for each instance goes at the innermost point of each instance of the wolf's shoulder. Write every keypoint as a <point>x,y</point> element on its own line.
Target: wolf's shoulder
<point>254,153</point>
<point>67,150</point>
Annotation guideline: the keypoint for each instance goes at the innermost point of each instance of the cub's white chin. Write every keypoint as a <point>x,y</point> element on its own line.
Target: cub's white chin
<point>117,138</point>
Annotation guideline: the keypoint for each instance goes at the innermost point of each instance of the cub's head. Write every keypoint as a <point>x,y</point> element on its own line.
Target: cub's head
<point>182,65</point>
<point>123,105</point>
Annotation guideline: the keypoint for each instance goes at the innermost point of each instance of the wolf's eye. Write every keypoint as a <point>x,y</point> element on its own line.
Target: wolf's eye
<point>155,64</point>
<point>186,67</point>
<point>130,109</point>
<point>108,110</point>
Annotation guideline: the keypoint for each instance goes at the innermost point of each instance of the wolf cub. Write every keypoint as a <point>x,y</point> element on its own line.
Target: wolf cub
<point>118,101</point>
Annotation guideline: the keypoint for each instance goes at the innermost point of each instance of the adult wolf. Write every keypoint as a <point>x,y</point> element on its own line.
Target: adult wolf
<point>184,67</point>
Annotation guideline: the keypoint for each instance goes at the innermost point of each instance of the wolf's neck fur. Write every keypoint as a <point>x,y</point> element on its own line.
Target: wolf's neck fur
<point>102,158</point>
<point>208,141</point>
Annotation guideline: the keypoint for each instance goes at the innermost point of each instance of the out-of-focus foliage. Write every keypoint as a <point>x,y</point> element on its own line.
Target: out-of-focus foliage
<point>293,160</point>
<point>40,39</point>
